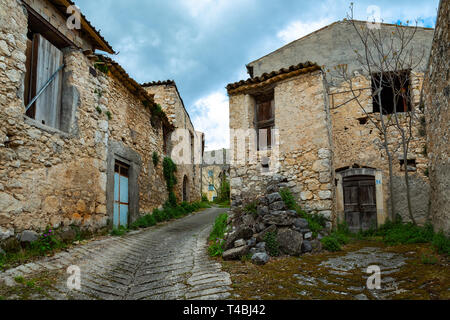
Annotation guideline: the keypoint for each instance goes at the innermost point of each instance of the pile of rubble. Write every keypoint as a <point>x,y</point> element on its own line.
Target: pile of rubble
<point>248,230</point>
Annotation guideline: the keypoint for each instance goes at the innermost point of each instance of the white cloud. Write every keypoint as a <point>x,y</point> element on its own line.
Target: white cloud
<point>298,29</point>
<point>211,116</point>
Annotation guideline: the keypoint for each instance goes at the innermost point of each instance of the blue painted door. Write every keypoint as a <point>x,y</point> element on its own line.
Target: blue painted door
<point>121,202</point>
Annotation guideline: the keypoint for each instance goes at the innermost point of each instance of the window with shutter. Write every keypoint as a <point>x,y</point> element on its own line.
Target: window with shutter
<point>44,60</point>
<point>265,120</point>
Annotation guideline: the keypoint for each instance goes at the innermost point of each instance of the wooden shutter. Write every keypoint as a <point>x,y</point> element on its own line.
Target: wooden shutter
<point>48,59</point>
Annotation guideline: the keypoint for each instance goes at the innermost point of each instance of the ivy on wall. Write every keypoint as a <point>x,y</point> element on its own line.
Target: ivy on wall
<point>169,170</point>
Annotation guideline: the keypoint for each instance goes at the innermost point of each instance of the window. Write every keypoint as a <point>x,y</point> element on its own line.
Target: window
<point>410,165</point>
<point>265,120</point>
<point>43,60</point>
<point>211,187</point>
<point>210,173</point>
<point>393,85</point>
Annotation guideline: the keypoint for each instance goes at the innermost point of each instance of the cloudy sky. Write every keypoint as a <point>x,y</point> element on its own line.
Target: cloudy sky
<point>205,44</point>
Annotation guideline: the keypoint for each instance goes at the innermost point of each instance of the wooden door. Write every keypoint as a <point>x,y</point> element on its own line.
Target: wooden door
<point>360,203</point>
<point>121,202</point>
<point>185,189</point>
<point>46,59</point>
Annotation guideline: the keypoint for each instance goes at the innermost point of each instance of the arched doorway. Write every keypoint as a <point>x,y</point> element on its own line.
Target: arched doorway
<point>185,189</point>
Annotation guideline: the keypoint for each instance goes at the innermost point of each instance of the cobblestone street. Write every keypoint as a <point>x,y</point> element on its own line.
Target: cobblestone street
<point>166,262</point>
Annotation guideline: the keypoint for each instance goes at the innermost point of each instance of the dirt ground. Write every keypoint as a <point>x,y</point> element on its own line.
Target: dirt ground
<point>407,272</point>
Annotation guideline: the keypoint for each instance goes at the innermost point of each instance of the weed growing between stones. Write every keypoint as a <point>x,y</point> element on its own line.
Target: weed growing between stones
<point>217,236</point>
<point>169,170</point>
<point>251,208</point>
<point>272,245</point>
<point>395,233</point>
<point>47,242</point>
<point>120,231</point>
<point>157,216</point>
<point>338,238</point>
<point>155,158</point>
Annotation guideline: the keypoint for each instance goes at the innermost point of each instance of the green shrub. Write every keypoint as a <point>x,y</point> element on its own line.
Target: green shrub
<point>441,243</point>
<point>219,228</point>
<point>331,244</point>
<point>47,242</point>
<point>426,259</point>
<point>155,158</point>
<point>118,232</point>
<point>338,238</point>
<point>216,249</point>
<point>204,198</point>
<point>272,245</point>
<point>400,233</point>
<point>288,199</point>
<point>251,208</point>
<point>217,236</point>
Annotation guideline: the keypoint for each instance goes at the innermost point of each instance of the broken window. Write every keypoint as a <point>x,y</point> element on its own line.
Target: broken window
<point>395,92</point>
<point>410,165</point>
<point>44,61</point>
<point>265,120</point>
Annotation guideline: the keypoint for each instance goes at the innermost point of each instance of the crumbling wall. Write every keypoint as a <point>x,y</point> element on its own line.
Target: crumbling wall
<point>54,178</point>
<point>167,96</point>
<point>437,96</point>
<point>303,150</point>
<point>357,141</point>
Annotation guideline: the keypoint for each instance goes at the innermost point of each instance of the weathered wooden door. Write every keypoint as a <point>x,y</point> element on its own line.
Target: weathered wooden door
<point>46,60</point>
<point>360,203</point>
<point>121,203</point>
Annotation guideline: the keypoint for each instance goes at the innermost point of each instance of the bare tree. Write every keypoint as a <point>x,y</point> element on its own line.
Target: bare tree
<point>389,59</point>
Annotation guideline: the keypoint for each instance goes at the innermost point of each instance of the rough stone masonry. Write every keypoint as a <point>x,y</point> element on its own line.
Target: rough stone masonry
<point>63,174</point>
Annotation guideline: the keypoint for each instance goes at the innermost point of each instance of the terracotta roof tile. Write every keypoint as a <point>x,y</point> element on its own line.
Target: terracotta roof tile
<point>275,76</point>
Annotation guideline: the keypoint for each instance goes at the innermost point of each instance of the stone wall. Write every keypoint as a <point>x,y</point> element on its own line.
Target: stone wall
<point>168,97</point>
<point>358,143</point>
<point>333,45</point>
<point>437,96</point>
<point>54,178</point>
<point>49,13</point>
<point>302,153</point>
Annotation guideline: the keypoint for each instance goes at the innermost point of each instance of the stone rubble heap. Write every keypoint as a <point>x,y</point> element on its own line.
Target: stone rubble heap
<point>248,230</point>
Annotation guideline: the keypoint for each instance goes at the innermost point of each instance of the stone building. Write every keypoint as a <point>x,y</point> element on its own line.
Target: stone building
<point>82,153</point>
<point>437,96</point>
<point>316,138</point>
<point>184,145</point>
<point>215,168</point>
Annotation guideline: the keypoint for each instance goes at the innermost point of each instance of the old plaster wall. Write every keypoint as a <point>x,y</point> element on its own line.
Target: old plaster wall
<point>54,178</point>
<point>167,96</point>
<point>303,150</point>
<point>437,96</point>
<point>331,46</point>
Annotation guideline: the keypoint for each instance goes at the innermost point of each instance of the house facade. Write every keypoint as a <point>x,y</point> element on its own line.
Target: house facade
<point>437,96</point>
<point>81,154</point>
<point>185,145</point>
<point>215,168</point>
<point>304,128</point>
